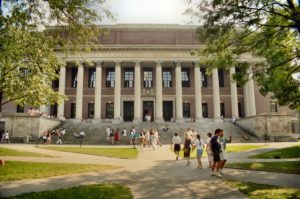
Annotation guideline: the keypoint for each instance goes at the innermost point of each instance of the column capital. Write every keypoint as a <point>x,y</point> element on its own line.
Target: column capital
<point>158,62</point>
<point>177,63</point>
<point>137,62</point>
<point>98,63</point>
<point>117,63</point>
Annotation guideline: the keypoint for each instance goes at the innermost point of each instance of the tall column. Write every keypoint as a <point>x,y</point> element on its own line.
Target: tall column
<point>216,93</point>
<point>198,97</point>
<point>251,95</point>
<point>246,100</point>
<point>98,91</point>
<point>137,92</point>
<point>79,91</point>
<point>234,95</point>
<point>61,89</point>
<point>159,104</point>
<point>179,115</point>
<point>117,94</point>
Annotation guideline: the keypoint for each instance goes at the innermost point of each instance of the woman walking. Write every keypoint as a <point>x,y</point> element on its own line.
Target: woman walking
<point>208,150</point>
<point>199,144</point>
<point>177,142</point>
<point>153,139</point>
<point>187,148</point>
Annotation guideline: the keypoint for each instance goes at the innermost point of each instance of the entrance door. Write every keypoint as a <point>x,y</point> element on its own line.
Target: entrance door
<point>128,111</point>
<point>167,110</point>
<point>148,109</point>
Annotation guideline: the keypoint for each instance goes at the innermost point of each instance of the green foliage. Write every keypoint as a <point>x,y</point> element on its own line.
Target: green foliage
<point>125,153</point>
<point>264,191</point>
<point>288,152</point>
<point>268,30</point>
<point>292,167</point>
<point>98,191</point>
<point>28,41</point>
<point>13,152</point>
<point>14,170</point>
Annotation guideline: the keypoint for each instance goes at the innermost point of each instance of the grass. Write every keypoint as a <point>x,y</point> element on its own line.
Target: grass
<point>98,191</point>
<point>292,167</point>
<point>229,149</point>
<point>13,152</point>
<point>263,191</point>
<point>288,152</point>
<point>124,153</point>
<point>15,170</point>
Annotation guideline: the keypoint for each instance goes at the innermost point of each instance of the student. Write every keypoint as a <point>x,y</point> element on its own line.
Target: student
<point>216,147</point>
<point>108,132</point>
<point>199,144</point>
<point>124,132</point>
<point>187,148</point>
<point>153,139</point>
<point>176,141</point>
<point>6,137</point>
<point>117,136</point>
<point>208,150</point>
<point>59,141</point>
<point>223,158</point>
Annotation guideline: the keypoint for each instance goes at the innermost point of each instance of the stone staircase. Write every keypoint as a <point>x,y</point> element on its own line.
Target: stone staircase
<point>95,132</point>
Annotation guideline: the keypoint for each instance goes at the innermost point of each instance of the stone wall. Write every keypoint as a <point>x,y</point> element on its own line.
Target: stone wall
<point>270,124</point>
<point>21,126</point>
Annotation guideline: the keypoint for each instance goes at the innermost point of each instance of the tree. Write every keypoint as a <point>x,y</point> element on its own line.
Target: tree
<point>28,63</point>
<point>266,29</point>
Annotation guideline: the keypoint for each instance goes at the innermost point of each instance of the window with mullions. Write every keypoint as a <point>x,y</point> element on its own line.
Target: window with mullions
<point>92,77</point>
<point>185,77</point>
<point>221,77</point>
<point>91,112</point>
<point>109,110</point>
<point>222,107</point>
<point>128,78</point>
<point>204,77</point>
<point>186,110</point>
<point>167,78</point>
<point>205,110</point>
<point>20,109</point>
<point>73,110</point>
<point>110,77</point>
<point>74,78</point>
<point>148,78</point>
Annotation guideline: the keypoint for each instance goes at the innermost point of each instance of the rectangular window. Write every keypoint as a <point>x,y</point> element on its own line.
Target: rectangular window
<point>91,110</point>
<point>237,71</point>
<point>20,109</point>
<point>185,77</point>
<point>204,110</point>
<point>148,78</point>
<point>53,110</point>
<point>222,107</point>
<point>92,77</point>
<point>167,78</point>
<point>240,109</point>
<point>221,77</point>
<point>186,110</point>
<point>74,78</point>
<point>110,77</point>
<point>204,77</point>
<point>73,110</point>
<point>129,78</point>
<point>109,110</point>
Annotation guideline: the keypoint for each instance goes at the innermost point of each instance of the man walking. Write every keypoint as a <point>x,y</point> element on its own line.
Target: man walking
<point>223,158</point>
<point>216,147</point>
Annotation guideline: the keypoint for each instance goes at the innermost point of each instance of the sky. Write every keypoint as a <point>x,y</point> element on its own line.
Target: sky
<point>149,11</point>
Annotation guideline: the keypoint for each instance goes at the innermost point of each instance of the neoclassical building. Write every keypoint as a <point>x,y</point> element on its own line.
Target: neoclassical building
<point>148,69</point>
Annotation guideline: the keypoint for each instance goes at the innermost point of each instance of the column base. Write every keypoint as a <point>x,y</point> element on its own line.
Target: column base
<point>219,120</point>
<point>116,121</point>
<point>159,120</point>
<point>180,120</point>
<point>199,120</point>
<point>95,121</point>
<point>137,121</point>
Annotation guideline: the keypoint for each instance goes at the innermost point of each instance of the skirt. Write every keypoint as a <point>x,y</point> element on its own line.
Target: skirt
<point>187,153</point>
<point>177,147</point>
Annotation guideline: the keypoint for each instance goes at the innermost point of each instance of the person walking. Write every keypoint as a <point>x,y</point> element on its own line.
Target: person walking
<point>199,144</point>
<point>187,149</point>
<point>176,141</point>
<point>6,137</point>
<point>59,141</point>
<point>108,132</point>
<point>153,139</point>
<point>208,150</point>
<point>216,147</point>
<point>223,158</point>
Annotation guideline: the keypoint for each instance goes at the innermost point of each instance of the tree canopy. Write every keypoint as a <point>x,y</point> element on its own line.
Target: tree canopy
<point>28,63</point>
<point>266,29</point>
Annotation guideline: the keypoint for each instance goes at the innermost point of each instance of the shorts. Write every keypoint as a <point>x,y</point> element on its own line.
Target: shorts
<point>216,155</point>
<point>176,147</point>
<point>223,155</point>
<point>199,153</point>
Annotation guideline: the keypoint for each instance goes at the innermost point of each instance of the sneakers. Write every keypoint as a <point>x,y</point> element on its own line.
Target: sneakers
<point>221,172</point>
<point>216,174</point>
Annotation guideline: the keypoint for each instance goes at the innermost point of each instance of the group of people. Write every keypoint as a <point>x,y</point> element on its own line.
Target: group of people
<point>144,137</point>
<point>48,134</point>
<point>214,146</point>
<point>5,137</point>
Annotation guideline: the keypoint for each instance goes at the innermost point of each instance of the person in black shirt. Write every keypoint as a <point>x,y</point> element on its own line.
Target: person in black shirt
<point>216,147</point>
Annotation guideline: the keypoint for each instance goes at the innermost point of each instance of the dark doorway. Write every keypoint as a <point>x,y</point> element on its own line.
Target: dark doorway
<point>148,108</point>
<point>167,110</point>
<point>128,111</point>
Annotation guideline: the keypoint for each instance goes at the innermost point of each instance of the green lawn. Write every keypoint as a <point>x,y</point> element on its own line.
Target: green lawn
<point>292,167</point>
<point>98,191</point>
<point>125,153</point>
<point>229,149</point>
<point>13,152</point>
<point>15,170</point>
<point>289,152</point>
<point>263,191</point>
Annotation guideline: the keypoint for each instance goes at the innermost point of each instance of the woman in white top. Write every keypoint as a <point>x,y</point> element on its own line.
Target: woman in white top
<point>199,144</point>
<point>177,142</point>
<point>208,150</point>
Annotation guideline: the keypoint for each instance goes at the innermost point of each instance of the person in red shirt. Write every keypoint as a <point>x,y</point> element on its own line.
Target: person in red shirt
<point>117,136</point>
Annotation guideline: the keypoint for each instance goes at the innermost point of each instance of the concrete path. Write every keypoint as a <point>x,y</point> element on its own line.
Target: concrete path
<point>154,174</point>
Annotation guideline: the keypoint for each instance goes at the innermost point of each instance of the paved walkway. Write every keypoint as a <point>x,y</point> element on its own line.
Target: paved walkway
<point>154,174</point>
